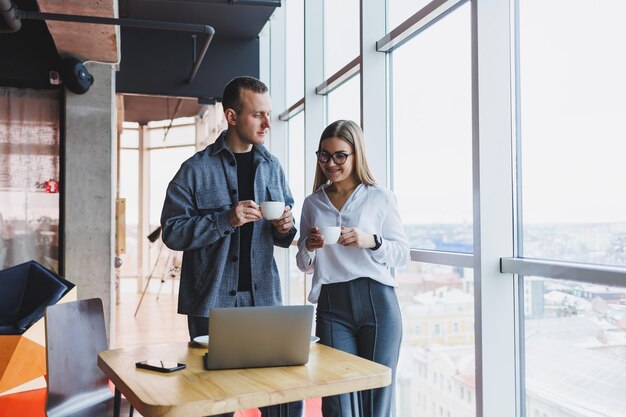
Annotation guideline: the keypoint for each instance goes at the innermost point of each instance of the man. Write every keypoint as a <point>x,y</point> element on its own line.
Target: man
<point>211,212</point>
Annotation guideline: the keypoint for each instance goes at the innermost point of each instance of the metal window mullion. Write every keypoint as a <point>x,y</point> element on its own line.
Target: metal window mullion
<point>425,17</point>
<point>292,111</point>
<point>144,204</point>
<point>374,116</point>
<point>333,82</point>
<point>462,260</point>
<point>570,271</point>
<point>497,378</point>
<point>274,74</point>
<point>315,114</point>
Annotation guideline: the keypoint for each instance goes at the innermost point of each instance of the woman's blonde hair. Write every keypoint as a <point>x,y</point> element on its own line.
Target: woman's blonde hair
<point>350,132</point>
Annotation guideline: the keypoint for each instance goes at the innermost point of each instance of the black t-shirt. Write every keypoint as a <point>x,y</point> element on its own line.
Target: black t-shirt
<point>245,181</point>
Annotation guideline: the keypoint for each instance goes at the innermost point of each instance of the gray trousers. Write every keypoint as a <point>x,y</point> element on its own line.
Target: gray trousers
<point>361,317</point>
<point>199,326</point>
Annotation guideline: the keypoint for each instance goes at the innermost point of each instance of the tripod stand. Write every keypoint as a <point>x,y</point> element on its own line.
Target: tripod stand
<point>172,265</point>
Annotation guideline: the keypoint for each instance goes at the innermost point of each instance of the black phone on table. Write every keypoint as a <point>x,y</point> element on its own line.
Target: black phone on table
<point>160,365</point>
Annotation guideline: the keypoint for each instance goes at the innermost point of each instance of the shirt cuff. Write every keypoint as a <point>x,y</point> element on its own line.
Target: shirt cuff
<point>223,224</point>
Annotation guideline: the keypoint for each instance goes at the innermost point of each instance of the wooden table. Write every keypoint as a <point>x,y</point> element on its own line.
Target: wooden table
<point>197,392</point>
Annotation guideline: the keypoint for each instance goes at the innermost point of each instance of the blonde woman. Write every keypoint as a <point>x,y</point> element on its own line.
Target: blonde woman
<point>357,307</point>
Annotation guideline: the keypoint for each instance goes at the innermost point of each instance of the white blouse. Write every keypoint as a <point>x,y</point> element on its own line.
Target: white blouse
<point>372,209</point>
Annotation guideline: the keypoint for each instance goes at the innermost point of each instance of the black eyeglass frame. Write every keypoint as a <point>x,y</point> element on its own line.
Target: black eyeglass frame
<point>325,157</point>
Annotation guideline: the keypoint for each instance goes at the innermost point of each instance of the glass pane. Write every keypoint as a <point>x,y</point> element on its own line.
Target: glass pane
<point>436,371</point>
<point>345,102</point>
<point>297,281</point>
<point>572,130</point>
<point>129,190</point>
<point>129,138</point>
<point>177,122</point>
<point>341,34</point>
<point>400,10</point>
<point>176,135</point>
<point>29,177</point>
<point>432,134</point>
<point>295,50</point>
<point>164,164</point>
<point>574,348</point>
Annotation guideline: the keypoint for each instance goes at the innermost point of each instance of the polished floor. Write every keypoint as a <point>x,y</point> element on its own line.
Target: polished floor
<point>156,320</point>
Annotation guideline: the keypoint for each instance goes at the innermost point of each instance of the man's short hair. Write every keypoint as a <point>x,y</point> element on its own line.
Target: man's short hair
<point>232,91</point>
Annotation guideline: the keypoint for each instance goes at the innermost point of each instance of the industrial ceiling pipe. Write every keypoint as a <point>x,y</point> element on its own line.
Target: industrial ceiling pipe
<point>11,16</point>
<point>145,24</point>
<point>9,20</point>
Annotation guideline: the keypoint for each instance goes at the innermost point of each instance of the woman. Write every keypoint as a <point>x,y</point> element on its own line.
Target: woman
<point>357,308</point>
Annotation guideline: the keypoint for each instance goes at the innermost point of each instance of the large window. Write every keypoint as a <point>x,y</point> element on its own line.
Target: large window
<point>575,348</point>
<point>432,134</point>
<point>400,10</point>
<point>169,148</point>
<point>505,151</point>
<point>572,131</point>
<point>29,177</point>
<point>166,148</point>
<point>572,209</point>
<point>294,51</point>
<point>129,190</point>
<point>341,34</point>
<point>345,102</point>
<point>436,367</point>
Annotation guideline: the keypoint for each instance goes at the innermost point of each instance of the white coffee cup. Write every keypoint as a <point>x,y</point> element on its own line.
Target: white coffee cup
<point>331,234</point>
<point>272,210</point>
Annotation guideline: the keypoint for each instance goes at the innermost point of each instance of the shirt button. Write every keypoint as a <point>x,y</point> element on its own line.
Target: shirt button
<point>226,232</point>
<point>233,163</point>
<point>235,259</point>
<point>232,293</point>
<point>233,192</point>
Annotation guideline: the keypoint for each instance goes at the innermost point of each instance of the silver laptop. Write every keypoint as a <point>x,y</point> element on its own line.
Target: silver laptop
<point>253,337</point>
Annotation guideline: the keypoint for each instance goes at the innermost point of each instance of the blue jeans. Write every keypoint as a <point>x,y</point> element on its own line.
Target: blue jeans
<point>199,326</point>
<point>361,317</point>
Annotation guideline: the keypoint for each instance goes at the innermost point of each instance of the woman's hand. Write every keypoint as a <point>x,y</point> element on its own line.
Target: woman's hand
<point>314,240</point>
<point>356,238</point>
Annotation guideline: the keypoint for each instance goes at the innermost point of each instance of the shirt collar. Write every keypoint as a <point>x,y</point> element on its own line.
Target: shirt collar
<point>221,146</point>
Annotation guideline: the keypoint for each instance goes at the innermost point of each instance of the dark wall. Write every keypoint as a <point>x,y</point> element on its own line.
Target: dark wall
<point>160,62</point>
<point>27,56</point>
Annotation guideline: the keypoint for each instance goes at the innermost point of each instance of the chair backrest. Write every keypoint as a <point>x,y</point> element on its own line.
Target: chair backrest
<point>75,334</point>
<point>27,289</point>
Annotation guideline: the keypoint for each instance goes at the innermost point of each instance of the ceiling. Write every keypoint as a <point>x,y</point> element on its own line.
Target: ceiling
<point>157,63</point>
<point>143,109</point>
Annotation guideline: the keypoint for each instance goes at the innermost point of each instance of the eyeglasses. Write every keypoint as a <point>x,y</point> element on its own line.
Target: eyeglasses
<point>338,157</point>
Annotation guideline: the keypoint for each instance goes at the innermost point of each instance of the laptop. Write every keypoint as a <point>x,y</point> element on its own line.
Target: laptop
<point>254,337</point>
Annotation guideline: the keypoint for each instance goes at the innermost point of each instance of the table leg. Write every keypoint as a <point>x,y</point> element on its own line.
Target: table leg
<point>117,403</point>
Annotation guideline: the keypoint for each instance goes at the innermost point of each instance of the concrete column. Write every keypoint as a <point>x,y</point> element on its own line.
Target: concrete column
<point>90,189</point>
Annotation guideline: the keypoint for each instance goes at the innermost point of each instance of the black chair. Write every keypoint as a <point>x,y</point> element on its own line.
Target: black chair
<point>75,334</point>
<point>27,289</point>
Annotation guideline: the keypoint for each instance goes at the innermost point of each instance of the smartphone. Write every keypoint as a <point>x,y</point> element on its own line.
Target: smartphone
<point>160,365</point>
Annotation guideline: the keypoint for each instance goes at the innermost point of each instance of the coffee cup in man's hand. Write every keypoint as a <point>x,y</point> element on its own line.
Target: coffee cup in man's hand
<point>272,210</point>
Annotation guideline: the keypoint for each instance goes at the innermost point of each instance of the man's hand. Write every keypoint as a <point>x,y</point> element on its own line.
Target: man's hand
<point>284,223</point>
<point>244,212</point>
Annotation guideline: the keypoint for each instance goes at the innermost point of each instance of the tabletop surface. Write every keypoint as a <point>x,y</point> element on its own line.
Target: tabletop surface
<point>195,391</point>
